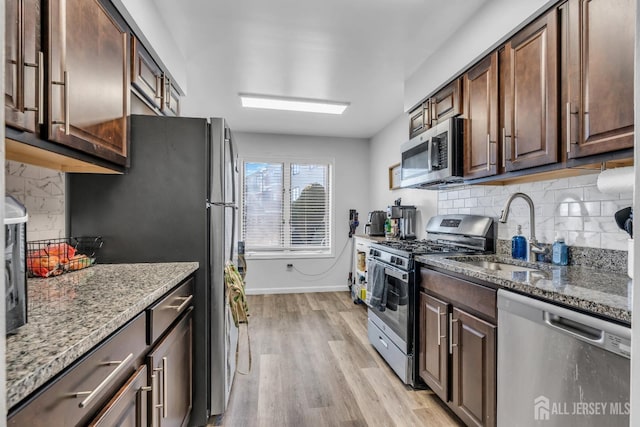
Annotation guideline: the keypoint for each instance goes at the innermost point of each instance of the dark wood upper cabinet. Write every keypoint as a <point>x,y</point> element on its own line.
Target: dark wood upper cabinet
<point>530,129</point>
<point>434,343</point>
<point>474,369</point>
<point>481,111</point>
<point>447,102</point>
<point>418,119</point>
<point>23,65</point>
<point>600,108</point>
<point>171,106</point>
<point>88,79</point>
<point>146,75</point>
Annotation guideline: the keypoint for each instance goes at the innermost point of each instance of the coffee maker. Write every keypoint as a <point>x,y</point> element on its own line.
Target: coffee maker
<point>405,218</point>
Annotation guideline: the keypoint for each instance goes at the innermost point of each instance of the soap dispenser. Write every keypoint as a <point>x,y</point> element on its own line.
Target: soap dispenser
<point>560,251</point>
<point>519,245</point>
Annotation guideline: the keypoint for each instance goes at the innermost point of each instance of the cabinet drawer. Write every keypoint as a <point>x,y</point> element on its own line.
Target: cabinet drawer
<point>162,314</point>
<point>476,299</point>
<point>129,406</point>
<point>102,372</point>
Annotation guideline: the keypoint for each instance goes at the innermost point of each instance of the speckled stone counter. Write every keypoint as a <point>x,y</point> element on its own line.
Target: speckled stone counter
<point>71,313</point>
<point>603,292</point>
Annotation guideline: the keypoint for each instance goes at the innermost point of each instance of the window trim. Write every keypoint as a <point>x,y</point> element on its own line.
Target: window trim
<point>288,253</point>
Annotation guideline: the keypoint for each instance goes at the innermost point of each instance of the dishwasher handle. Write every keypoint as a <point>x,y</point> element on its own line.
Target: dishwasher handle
<point>571,327</point>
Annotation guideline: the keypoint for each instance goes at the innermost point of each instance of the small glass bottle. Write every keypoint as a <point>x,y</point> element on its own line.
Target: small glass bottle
<point>559,252</point>
<point>519,245</point>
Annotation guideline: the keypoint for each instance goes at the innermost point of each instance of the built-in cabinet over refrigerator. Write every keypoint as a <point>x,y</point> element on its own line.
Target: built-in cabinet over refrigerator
<point>176,203</point>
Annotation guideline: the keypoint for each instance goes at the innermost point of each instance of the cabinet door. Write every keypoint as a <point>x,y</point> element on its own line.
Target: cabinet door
<point>23,65</point>
<point>170,366</point>
<point>447,102</point>
<point>601,64</point>
<point>146,76</point>
<point>531,132</point>
<point>433,345</point>
<point>129,407</point>
<point>474,369</point>
<point>171,106</point>
<point>481,111</point>
<point>88,82</point>
<point>417,121</point>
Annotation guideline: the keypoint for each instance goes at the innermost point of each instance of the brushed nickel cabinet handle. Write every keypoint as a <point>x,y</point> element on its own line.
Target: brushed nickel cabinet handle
<point>167,92</point>
<point>65,83</point>
<point>158,86</point>
<point>450,333</point>
<point>185,303</point>
<point>569,115</point>
<point>488,152</point>
<point>504,147</point>
<point>122,365</point>
<point>165,387</point>
<point>40,88</point>
<point>439,326</point>
<point>452,321</point>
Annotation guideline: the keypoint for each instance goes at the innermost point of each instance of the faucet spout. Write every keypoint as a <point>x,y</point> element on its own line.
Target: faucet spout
<point>534,247</point>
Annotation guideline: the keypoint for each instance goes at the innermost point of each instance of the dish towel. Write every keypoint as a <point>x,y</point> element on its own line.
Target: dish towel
<point>378,287</point>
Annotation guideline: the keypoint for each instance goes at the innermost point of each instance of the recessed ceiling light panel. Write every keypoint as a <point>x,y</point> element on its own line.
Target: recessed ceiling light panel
<point>292,104</point>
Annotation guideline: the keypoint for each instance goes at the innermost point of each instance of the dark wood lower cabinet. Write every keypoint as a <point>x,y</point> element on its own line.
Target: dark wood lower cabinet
<point>473,369</point>
<point>125,381</point>
<point>457,347</point>
<point>434,351</point>
<point>128,408</point>
<point>170,367</point>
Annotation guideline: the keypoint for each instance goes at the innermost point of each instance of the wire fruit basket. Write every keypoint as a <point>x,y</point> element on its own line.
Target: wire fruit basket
<point>52,257</point>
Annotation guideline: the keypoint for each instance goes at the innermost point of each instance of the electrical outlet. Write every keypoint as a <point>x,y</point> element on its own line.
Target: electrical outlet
<point>289,266</point>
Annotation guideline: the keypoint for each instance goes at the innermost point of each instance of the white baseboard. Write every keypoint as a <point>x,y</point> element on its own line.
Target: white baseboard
<point>298,290</point>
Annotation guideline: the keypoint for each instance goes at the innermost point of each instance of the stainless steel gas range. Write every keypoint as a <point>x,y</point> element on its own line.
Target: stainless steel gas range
<point>392,313</point>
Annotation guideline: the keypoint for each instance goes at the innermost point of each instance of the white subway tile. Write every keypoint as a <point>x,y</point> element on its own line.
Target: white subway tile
<point>568,195</point>
<point>616,241</point>
<point>583,180</point>
<point>610,207</point>
<point>464,211</point>
<point>582,238</point>
<point>592,193</point>
<point>464,194</point>
<point>477,191</point>
<point>470,203</point>
<point>458,203</point>
<point>569,223</point>
<point>602,224</point>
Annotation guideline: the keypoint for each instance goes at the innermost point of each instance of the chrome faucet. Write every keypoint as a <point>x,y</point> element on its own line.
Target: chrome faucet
<point>534,246</point>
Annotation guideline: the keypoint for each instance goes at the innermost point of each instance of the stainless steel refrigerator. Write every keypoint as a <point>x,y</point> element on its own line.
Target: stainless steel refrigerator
<point>176,203</point>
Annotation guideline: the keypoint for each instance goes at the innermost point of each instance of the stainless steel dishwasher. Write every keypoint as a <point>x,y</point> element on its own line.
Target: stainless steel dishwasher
<point>559,367</point>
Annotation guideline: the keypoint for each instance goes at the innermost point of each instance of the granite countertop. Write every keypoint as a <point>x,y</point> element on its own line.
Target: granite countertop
<point>602,292</point>
<point>69,314</point>
<point>373,238</point>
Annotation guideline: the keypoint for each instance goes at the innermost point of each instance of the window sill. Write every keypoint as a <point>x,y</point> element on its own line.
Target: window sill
<point>288,255</point>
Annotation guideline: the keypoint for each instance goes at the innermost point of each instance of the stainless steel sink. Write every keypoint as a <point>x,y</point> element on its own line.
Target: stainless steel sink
<point>499,266</point>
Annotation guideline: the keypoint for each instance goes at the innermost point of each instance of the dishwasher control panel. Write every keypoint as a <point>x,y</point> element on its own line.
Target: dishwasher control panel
<point>618,345</point>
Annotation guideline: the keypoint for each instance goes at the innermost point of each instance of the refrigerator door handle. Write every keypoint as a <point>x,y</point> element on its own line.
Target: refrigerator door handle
<point>223,204</point>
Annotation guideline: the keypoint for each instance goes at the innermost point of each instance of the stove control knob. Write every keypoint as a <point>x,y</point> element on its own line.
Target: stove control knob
<point>399,261</point>
<point>393,260</point>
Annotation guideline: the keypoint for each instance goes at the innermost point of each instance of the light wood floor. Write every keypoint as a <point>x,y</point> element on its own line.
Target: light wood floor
<point>313,366</point>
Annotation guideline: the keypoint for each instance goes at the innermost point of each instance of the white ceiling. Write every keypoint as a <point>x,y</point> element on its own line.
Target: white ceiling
<point>359,51</point>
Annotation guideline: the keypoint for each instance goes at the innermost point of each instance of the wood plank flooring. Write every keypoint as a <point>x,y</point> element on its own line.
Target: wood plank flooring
<point>313,366</point>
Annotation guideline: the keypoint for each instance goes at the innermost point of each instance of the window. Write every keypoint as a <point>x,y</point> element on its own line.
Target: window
<point>286,207</point>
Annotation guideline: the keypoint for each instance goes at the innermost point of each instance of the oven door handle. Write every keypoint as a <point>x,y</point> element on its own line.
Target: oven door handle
<point>400,275</point>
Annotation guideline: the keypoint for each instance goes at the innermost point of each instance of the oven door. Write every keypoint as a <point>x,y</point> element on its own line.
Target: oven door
<point>393,308</point>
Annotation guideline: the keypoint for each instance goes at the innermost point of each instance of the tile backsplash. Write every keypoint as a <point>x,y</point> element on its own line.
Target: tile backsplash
<point>41,190</point>
<point>573,207</point>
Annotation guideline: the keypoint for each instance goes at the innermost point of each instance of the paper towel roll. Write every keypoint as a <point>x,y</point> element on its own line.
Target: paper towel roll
<point>618,180</point>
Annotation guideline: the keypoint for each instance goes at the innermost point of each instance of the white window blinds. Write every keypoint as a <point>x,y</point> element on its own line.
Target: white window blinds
<point>286,206</point>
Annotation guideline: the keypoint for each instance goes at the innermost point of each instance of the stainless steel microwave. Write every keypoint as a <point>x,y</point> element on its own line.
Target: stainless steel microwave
<point>433,157</point>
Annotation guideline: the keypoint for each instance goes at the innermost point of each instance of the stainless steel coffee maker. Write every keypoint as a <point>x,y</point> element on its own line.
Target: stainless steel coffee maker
<point>407,223</point>
<point>406,220</point>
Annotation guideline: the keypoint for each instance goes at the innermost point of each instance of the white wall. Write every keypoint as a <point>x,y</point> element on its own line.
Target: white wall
<point>351,175</point>
<point>494,20</point>
<point>385,152</point>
